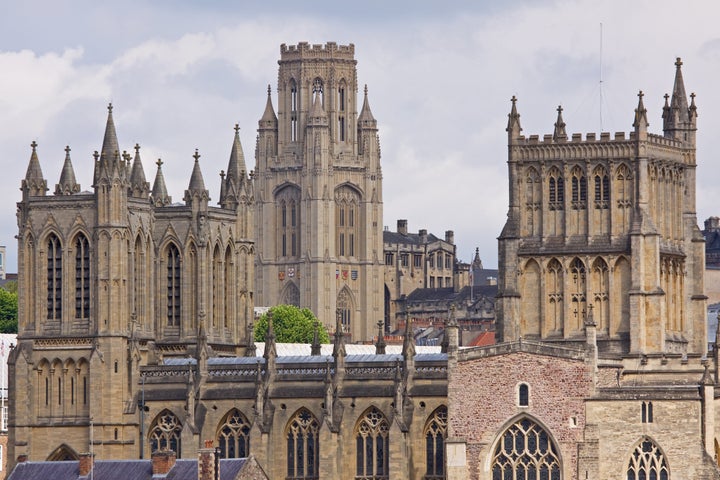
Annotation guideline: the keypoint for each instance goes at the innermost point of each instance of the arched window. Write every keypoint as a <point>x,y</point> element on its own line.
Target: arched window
<point>288,222</point>
<point>344,309</point>
<point>63,453</point>
<point>556,188</point>
<point>578,307</point>
<point>601,294</point>
<point>173,286</point>
<point>303,446</point>
<point>138,276</point>
<point>646,412</point>
<point>217,287</point>
<point>579,189</point>
<point>526,451</point>
<point>229,306</point>
<point>555,293</point>
<point>523,395</point>
<point>165,433</point>
<point>234,435</point>
<point>373,446</point>
<point>293,111</point>
<point>647,462</point>
<point>435,435</point>
<point>602,188</point>
<point>532,202</point>
<point>291,295</point>
<point>341,111</point>
<point>347,201</point>
<point>54,278</point>
<point>82,277</point>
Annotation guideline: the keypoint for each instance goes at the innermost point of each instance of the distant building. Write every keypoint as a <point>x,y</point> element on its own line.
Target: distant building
<point>416,260</point>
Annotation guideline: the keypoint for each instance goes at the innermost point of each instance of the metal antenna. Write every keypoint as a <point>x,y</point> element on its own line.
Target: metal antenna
<point>601,80</point>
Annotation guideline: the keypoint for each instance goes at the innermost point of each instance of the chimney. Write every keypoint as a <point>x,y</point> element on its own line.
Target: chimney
<point>207,467</point>
<point>163,461</point>
<point>423,235</point>
<point>402,227</point>
<point>450,237</point>
<point>87,461</point>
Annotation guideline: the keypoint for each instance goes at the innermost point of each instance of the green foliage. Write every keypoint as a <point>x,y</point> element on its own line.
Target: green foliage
<point>291,325</point>
<point>9,309</point>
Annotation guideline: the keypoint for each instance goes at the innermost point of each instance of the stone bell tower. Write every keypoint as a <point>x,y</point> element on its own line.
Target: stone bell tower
<point>318,187</point>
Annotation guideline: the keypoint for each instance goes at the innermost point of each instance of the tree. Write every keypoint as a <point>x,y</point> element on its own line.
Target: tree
<point>291,324</point>
<point>8,310</point>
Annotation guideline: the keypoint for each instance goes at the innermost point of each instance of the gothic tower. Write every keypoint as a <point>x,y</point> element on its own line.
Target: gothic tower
<point>318,187</point>
<point>114,279</point>
<point>603,232</point>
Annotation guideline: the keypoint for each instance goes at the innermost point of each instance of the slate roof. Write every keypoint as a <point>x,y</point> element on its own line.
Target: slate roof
<point>449,294</point>
<point>409,239</point>
<point>45,471</point>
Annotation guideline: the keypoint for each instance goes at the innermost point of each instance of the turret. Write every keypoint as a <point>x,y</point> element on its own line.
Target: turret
<point>139,187</point>
<point>679,119</point>
<point>641,122</point>
<point>559,133</point>
<point>34,183</point>
<point>513,126</point>
<point>67,185</point>
<point>196,195</point>
<point>160,196</point>
<point>235,184</point>
<point>111,178</point>
<point>367,129</point>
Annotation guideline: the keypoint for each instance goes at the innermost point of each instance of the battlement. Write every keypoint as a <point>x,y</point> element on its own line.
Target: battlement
<point>605,137</point>
<point>303,50</point>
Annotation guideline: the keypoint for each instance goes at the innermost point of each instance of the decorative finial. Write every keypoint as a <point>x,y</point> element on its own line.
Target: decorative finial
<point>137,148</point>
<point>96,155</point>
<point>110,107</point>
<point>366,90</point>
<point>641,94</point>
<point>692,99</point>
<point>678,62</point>
<point>222,174</point>
<point>33,145</point>
<point>559,109</point>
<point>159,163</point>
<point>513,99</point>
<point>269,90</point>
<point>237,128</point>
<point>197,155</point>
<point>67,149</point>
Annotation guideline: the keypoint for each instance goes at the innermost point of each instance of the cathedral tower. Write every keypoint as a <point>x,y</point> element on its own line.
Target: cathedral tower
<point>318,187</point>
<point>603,231</point>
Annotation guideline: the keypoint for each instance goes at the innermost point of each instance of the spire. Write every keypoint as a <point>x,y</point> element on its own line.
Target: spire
<point>160,196</point>
<point>678,102</point>
<point>366,119</point>
<point>693,109</point>
<point>317,111</point>
<point>139,187</point>
<point>641,122</point>
<point>380,344</point>
<point>232,185</point>
<point>408,349</point>
<point>270,352</point>
<point>68,185</point>
<point>559,133</point>
<point>315,347</point>
<point>269,119</point>
<point>110,146</point>
<point>339,344</point>
<point>513,126</point>
<point>34,184</point>
<point>196,187</point>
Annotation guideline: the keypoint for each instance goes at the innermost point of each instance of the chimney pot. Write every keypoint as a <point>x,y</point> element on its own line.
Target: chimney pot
<point>163,461</point>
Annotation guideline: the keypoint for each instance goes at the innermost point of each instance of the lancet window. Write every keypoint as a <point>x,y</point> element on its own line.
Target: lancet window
<point>173,286</point>
<point>435,435</point>
<point>372,446</point>
<point>556,190</point>
<point>54,278</point>
<point>579,189</point>
<point>303,446</point>
<point>82,277</point>
<point>347,201</point>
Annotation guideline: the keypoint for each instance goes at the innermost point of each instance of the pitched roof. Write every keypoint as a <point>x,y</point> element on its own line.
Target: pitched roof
<point>408,239</point>
<point>45,470</point>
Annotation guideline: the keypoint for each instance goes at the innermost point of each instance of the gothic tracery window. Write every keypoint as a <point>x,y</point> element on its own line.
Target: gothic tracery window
<point>293,111</point>
<point>344,309</point>
<point>556,190</point>
<point>577,294</point>
<point>526,451</point>
<point>54,278</point>
<point>435,435</point>
<point>288,225</point>
<point>341,111</point>
<point>602,188</point>
<point>647,462</point>
<point>373,447</point>
<point>555,293</point>
<point>82,277</point>
<point>579,189</point>
<point>303,446</point>
<point>234,436</point>
<point>165,433</point>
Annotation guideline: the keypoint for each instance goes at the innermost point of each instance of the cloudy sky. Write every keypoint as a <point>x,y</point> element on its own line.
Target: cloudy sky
<point>181,73</point>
